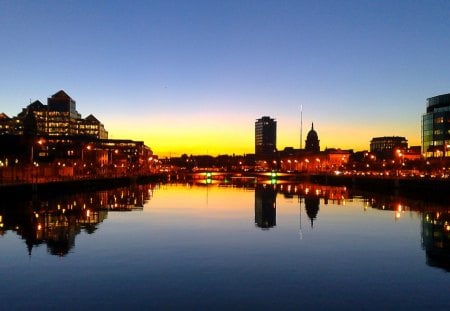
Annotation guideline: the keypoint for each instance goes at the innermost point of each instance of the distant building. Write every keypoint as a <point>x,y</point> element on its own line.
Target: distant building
<point>384,147</point>
<point>436,127</point>
<point>265,138</point>
<point>312,141</point>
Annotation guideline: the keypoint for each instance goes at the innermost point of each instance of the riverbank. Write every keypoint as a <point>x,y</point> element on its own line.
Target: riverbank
<point>436,189</point>
<point>68,186</point>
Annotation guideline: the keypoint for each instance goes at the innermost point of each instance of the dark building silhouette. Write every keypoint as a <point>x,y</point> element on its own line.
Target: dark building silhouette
<point>312,141</point>
<point>265,206</point>
<point>265,138</point>
<point>436,127</point>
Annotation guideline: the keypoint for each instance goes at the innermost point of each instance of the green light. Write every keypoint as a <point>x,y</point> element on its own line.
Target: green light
<point>208,174</point>
<point>208,181</point>
<point>273,181</point>
<point>273,174</point>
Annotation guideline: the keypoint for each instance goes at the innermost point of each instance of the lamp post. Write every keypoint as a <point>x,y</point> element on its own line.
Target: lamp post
<point>83,165</point>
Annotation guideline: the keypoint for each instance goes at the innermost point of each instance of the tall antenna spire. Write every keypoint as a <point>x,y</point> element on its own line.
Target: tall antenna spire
<point>301,126</point>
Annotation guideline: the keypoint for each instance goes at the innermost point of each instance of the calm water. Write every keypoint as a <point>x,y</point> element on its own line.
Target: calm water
<point>180,246</point>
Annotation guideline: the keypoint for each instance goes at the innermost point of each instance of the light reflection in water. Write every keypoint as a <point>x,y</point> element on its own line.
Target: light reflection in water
<point>179,241</point>
<point>57,221</point>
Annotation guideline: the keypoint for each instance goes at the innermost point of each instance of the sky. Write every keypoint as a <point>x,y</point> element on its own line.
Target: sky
<point>193,76</point>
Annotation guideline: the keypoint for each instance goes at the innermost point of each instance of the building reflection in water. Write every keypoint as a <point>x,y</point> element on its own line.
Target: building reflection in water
<point>265,206</point>
<point>436,238</point>
<point>56,222</point>
<point>312,207</point>
<point>435,224</point>
<point>265,200</point>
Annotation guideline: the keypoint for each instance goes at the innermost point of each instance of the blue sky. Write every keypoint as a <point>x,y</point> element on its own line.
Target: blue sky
<point>194,75</point>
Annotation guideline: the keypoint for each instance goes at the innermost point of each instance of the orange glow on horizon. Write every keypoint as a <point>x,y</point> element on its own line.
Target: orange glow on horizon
<point>227,134</point>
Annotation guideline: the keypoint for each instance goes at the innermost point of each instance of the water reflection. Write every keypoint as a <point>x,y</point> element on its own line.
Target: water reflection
<point>265,206</point>
<point>436,238</point>
<point>310,194</point>
<point>57,221</point>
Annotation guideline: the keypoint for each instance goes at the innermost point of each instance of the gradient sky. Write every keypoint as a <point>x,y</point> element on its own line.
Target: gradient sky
<point>193,76</point>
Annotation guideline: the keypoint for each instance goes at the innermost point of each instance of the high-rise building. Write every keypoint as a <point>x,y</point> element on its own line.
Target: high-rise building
<point>265,138</point>
<point>436,127</point>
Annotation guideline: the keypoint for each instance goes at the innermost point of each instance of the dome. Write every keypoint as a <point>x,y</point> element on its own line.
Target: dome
<point>312,134</point>
<point>312,141</point>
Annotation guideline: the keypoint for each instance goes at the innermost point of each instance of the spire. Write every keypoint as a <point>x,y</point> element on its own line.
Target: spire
<point>312,125</point>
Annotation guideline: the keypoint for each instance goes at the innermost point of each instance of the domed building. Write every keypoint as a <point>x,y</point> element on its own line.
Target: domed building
<point>312,141</point>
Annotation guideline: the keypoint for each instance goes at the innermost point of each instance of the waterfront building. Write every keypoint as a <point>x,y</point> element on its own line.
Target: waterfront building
<point>436,127</point>
<point>265,138</point>
<point>58,118</point>
<point>385,147</point>
<point>53,141</point>
<point>300,160</point>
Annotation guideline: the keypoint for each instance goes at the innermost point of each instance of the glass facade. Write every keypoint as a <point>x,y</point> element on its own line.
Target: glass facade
<point>436,127</point>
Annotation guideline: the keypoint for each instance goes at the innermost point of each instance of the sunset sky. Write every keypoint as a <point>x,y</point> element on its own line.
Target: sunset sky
<point>193,76</point>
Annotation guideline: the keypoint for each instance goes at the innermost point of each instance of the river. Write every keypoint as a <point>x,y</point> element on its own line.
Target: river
<point>223,247</point>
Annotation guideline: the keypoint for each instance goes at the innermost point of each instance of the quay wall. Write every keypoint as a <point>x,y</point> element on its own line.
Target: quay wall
<point>432,187</point>
<point>69,186</point>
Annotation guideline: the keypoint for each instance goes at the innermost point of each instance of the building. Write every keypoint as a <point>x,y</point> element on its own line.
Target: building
<point>91,126</point>
<point>62,115</point>
<point>6,124</point>
<point>312,141</point>
<point>385,147</point>
<point>58,118</point>
<point>436,127</point>
<point>53,141</point>
<point>265,138</point>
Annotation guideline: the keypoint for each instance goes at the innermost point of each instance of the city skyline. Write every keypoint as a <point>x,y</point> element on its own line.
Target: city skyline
<point>193,77</point>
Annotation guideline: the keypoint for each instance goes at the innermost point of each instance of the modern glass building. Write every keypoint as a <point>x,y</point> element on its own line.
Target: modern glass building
<point>436,127</point>
<point>265,138</point>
